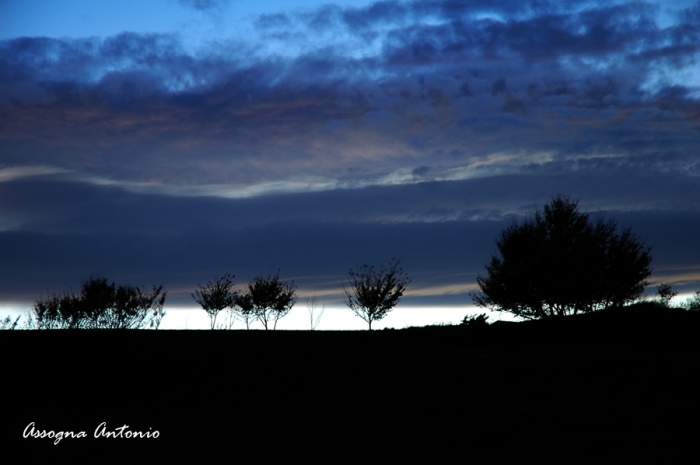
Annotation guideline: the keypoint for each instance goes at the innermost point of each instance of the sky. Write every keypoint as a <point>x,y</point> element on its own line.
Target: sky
<point>172,141</point>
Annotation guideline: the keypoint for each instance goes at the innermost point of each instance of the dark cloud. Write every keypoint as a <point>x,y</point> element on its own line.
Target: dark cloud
<point>204,5</point>
<point>325,17</point>
<point>421,170</point>
<point>316,255</point>
<point>181,243</point>
<point>146,90</point>
<point>359,19</point>
<point>272,20</point>
<point>499,87</point>
<point>600,32</point>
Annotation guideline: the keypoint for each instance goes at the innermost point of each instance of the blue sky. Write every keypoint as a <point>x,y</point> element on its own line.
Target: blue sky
<point>166,142</point>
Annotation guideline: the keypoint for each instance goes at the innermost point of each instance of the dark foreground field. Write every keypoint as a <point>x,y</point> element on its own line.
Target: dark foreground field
<point>595,386</point>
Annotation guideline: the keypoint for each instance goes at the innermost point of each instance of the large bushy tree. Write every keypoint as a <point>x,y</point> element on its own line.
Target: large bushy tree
<point>101,304</point>
<point>563,262</point>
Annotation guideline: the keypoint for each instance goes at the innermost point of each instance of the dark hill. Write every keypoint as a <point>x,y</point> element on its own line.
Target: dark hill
<point>622,381</point>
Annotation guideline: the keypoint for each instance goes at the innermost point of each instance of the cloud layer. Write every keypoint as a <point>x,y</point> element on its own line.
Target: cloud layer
<point>357,94</point>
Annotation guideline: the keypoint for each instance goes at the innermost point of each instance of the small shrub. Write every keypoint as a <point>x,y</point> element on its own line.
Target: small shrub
<point>475,320</point>
<point>100,304</point>
<point>693,303</point>
<point>8,323</point>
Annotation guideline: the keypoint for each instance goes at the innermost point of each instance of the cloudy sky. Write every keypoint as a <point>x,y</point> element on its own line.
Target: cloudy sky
<point>171,141</point>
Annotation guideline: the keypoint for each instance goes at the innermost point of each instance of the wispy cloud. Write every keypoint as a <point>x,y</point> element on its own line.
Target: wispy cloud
<point>20,172</point>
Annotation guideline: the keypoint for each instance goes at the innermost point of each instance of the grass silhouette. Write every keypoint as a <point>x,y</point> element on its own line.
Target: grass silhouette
<point>624,381</point>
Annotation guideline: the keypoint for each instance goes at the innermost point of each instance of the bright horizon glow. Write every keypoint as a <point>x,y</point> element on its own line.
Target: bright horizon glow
<point>334,318</point>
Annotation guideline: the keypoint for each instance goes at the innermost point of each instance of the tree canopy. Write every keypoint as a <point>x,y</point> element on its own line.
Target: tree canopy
<point>100,304</point>
<point>267,299</point>
<point>373,293</point>
<point>562,262</point>
<point>216,296</point>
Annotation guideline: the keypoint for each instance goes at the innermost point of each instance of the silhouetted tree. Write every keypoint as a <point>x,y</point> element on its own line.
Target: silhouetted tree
<point>560,262</point>
<point>268,299</point>
<point>375,292</point>
<point>101,305</point>
<point>246,308</point>
<point>216,296</point>
<point>314,314</point>
<point>666,293</point>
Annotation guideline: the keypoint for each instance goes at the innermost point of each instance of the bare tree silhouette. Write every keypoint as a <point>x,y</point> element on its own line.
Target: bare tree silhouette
<point>314,313</point>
